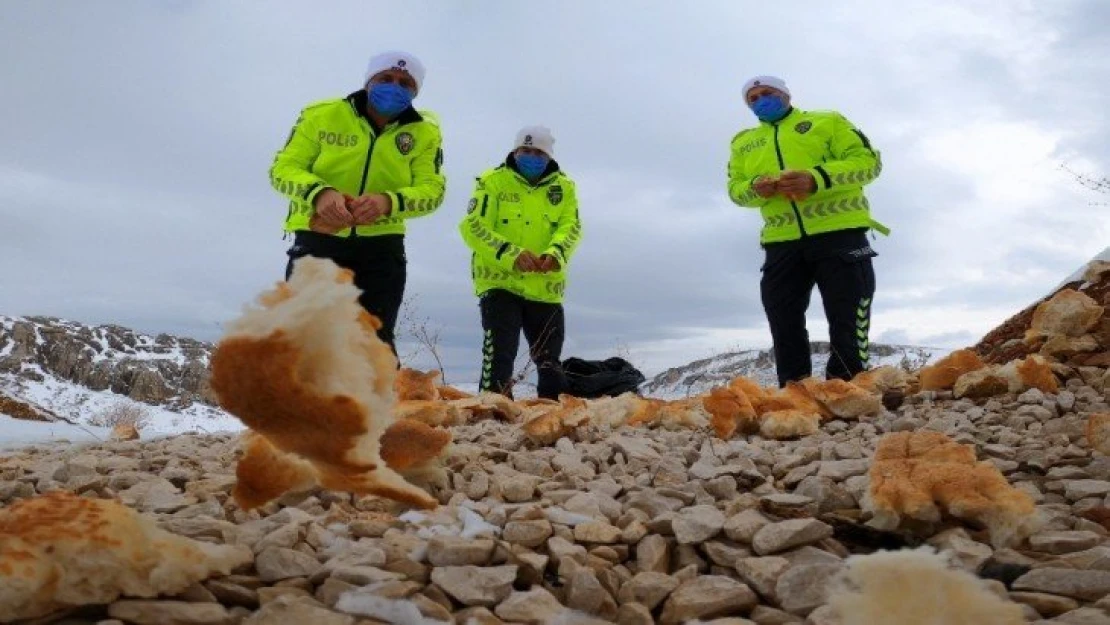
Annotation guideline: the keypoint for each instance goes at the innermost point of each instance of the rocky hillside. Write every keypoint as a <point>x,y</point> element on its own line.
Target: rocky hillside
<point>699,376</point>
<point>1009,340</point>
<point>57,370</point>
<point>163,371</point>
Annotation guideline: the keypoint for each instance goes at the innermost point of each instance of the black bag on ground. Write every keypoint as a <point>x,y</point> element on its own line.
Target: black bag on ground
<point>601,378</point>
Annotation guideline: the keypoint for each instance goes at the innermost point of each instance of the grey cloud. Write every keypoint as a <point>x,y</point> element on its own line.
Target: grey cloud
<point>134,188</point>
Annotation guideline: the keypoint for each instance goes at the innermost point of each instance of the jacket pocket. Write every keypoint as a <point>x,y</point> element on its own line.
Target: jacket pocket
<point>856,254</point>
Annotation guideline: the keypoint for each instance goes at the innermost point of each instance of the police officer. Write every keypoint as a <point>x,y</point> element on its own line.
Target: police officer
<point>355,170</point>
<point>522,227</point>
<point>805,172</point>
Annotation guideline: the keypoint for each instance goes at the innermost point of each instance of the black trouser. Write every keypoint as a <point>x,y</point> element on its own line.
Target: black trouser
<point>379,265</point>
<point>839,263</point>
<point>504,315</point>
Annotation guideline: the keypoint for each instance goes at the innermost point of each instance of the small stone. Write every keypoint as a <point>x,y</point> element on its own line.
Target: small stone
<point>789,506</point>
<point>708,596</point>
<point>1064,542</point>
<point>725,553</point>
<point>1066,401</point>
<point>266,594</point>
<point>331,590</point>
<point>478,616</point>
<point>197,593</point>
<point>824,615</point>
<point>761,574</point>
<point>840,470</point>
<point>458,551</point>
<point>634,614</point>
<point>633,533</point>
<point>472,585</point>
<point>363,575</point>
<point>519,488</point>
<point>290,609</point>
<point>597,532</point>
<point>371,528</point>
<point>800,589</point>
<point>277,563</point>
<point>784,535</point>
<point>1031,397</point>
<point>585,593</point>
<point>141,612</point>
<point>560,549</point>
<point>766,615</point>
<point>527,533</point>
<point>535,605</point>
<point>1082,585</point>
<point>648,589</point>
<point>744,526</point>
<point>1083,616</point>
<point>970,554</point>
<point>697,524</point>
<point>233,594</point>
<point>653,554</point>
<point>829,495</point>
<point>1075,490</point>
<point>1046,605</point>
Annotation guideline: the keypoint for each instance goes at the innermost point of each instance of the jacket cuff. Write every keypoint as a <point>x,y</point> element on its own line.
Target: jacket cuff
<point>313,191</point>
<point>821,177</point>
<point>507,255</point>
<point>396,203</point>
<point>558,252</point>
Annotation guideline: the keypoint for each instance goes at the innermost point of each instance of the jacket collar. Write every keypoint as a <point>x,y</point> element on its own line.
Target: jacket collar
<point>552,169</point>
<point>360,100</point>
<point>790,113</point>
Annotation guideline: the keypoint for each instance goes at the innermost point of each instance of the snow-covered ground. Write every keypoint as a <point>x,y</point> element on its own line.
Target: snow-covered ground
<point>16,433</point>
<point>82,405</point>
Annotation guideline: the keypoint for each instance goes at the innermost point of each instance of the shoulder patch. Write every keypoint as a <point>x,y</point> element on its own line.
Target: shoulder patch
<point>405,143</point>
<point>555,194</point>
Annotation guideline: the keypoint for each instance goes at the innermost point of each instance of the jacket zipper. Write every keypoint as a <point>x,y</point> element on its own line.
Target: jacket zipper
<point>365,173</point>
<point>782,167</point>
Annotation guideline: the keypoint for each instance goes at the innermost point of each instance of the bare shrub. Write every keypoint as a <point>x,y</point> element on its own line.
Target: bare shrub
<point>123,412</point>
<point>423,332</point>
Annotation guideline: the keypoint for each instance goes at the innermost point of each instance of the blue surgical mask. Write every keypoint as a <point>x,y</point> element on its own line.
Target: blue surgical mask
<point>531,165</point>
<point>389,99</point>
<point>769,108</point>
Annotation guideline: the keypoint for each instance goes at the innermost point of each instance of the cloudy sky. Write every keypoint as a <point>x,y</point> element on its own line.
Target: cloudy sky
<point>137,137</point>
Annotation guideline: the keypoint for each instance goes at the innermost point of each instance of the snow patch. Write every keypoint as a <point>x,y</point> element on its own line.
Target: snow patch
<point>17,433</point>
<point>363,602</point>
<point>466,523</point>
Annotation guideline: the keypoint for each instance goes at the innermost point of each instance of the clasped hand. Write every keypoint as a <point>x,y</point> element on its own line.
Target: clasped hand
<point>793,185</point>
<point>335,210</point>
<point>529,262</point>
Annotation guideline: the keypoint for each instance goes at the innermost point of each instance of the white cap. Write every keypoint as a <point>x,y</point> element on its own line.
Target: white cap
<point>396,59</point>
<point>538,137</point>
<point>773,82</point>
